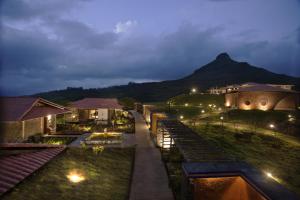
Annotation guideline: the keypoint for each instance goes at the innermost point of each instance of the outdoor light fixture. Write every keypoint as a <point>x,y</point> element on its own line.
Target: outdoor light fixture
<point>209,105</point>
<point>75,177</point>
<point>289,116</point>
<point>269,174</point>
<point>194,90</point>
<point>220,109</point>
<point>49,117</point>
<point>186,104</point>
<point>272,126</point>
<point>73,116</point>
<point>221,118</point>
<point>181,117</point>
<point>202,111</point>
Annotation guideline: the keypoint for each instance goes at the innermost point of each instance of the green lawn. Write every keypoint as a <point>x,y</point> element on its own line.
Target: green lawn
<point>276,154</point>
<point>197,99</point>
<point>107,176</point>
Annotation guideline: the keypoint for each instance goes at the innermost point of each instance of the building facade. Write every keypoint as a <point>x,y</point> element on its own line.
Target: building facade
<point>262,97</point>
<point>23,117</point>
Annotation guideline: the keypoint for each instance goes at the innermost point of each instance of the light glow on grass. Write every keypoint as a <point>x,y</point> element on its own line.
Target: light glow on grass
<point>75,177</point>
<point>271,126</point>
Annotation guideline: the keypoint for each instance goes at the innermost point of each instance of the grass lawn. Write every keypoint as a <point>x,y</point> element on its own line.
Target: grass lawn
<point>107,176</point>
<point>269,153</point>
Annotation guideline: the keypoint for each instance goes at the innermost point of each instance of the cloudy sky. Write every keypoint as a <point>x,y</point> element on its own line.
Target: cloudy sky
<point>52,44</point>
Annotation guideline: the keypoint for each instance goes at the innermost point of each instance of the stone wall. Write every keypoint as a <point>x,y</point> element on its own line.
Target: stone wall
<point>33,126</point>
<point>11,132</point>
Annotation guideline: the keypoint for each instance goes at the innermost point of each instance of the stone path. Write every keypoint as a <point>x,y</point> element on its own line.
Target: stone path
<point>150,181</point>
<point>76,143</point>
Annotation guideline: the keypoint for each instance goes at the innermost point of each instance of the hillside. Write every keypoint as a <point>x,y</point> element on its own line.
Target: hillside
<point>221,71</point>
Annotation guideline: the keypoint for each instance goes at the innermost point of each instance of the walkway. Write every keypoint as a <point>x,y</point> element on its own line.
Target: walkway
<point>76,143</point>
<point>150,179</point>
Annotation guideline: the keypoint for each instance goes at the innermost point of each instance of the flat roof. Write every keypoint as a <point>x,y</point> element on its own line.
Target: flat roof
<point>267,186</point>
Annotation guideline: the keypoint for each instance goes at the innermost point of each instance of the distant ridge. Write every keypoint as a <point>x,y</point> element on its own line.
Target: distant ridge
<point>221,71</point>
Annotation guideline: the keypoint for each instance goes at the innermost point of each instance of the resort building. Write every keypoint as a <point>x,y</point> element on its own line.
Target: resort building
<point>22,117</point>
<point>101,110</point>
<point>263,97</point>
<point>236,87</point>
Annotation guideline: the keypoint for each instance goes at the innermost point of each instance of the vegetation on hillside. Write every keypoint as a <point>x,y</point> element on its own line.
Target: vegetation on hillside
<point>222,71</point>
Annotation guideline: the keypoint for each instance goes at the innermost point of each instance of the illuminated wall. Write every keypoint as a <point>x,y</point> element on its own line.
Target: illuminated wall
<point>222,188</point>
<point>262,100</point>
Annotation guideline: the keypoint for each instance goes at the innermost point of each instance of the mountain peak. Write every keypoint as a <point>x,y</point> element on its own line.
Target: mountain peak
<point>223,56</point>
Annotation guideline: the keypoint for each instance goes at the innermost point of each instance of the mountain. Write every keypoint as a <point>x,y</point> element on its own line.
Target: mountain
<point>220,72</point>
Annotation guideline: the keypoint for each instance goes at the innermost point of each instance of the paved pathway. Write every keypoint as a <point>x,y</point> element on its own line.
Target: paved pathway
<point>76,143</point>
<point>150,181</point>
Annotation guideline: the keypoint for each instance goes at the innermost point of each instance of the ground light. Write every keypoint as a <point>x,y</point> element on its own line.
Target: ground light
<point>75,177</point>
<point>186,104</point>
<point>270,175</point>
<point>181,117</point>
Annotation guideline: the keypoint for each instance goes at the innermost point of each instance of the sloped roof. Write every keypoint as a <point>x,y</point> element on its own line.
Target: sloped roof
<point>93,103</point>
<point>15,168</point>
<point>24,108</point>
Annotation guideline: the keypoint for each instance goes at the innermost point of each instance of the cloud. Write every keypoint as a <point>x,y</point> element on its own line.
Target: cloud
<point>59,51</point>
<point>124,27</point>
<point>25,9</point>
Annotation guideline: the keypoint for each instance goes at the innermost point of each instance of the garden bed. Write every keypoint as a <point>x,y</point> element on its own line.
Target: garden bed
<point>104,176</point>
<point>104,138</point>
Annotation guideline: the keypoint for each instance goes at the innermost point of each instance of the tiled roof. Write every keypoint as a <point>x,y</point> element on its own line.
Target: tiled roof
<point>93,103</point>
<point>15,168</point>
<point>24,108</point>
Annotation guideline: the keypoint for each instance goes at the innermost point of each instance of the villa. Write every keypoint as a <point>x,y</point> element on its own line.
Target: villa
<point>99,109</point>
<point>22,117</point>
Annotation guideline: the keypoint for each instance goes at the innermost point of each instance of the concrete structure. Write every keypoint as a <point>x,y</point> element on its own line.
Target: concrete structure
<point>22,117</point>
<point>262,97</point>
<point>229,180</point>
<point>147,112</point>
<point>99,109</point>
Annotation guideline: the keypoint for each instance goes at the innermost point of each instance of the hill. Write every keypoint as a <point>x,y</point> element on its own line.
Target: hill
<point>221,71</point>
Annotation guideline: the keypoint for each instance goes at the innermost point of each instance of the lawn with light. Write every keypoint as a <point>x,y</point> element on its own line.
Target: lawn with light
<point>80,173</point>
<point>270,153</point>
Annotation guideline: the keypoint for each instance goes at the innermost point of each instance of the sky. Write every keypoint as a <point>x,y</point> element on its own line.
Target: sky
<point>53,44</point>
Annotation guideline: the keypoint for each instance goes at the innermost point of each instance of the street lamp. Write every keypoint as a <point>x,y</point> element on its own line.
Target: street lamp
<point>222,118</point>
<point>194,90</point>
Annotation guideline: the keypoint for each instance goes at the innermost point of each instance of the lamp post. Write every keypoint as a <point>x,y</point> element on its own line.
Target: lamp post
<point>193,90</point>
<point>222,118</point>
<point>272,126</point>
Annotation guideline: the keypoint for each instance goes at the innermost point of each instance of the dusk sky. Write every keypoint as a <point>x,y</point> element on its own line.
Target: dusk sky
<point>52,44</point>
